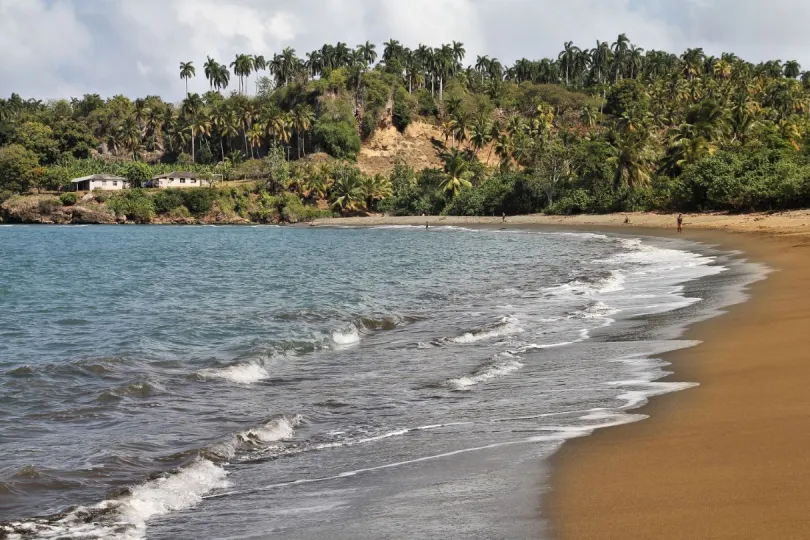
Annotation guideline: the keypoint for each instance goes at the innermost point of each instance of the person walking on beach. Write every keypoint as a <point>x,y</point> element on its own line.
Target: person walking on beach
<point>680,223</point>
<point>504,218</point>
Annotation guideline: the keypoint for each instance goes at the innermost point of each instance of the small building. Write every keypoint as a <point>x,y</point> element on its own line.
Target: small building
<point>177,179</point>
<point>99,181</point>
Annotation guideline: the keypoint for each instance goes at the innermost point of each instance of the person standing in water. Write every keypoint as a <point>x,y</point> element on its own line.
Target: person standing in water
<point>427,225</point>
<point>504,218</point>
<point>680,223</point>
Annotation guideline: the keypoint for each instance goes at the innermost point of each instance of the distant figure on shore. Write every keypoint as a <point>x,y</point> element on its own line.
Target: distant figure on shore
<point>627,220</point>
<point>680,223</point>
<point>427,225</point>
<point>504,218</point>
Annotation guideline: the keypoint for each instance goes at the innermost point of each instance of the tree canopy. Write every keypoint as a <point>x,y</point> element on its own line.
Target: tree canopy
<point>593,128</point>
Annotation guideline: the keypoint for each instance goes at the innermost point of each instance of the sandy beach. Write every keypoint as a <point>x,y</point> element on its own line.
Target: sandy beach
<point>729,458</point>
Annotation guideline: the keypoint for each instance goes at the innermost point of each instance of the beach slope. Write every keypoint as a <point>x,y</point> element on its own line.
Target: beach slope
<point>727,459</point>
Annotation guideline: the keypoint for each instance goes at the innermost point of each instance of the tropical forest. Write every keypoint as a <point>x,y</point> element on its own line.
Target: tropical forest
<point>410,131</point>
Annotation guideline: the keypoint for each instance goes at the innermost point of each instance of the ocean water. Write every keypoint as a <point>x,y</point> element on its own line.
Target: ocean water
<point>258,382</point>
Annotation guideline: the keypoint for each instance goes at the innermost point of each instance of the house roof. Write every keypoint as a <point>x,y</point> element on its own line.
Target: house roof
<point>98,177</point>
<point>175,174</point>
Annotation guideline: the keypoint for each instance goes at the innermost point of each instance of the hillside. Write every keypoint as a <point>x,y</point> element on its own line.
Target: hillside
<point>413,131</point>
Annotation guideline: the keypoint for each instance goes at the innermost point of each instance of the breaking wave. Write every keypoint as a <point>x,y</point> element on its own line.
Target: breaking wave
<point>504,364</point>
<point>248,373</point>
<point>346,336</point>
<point>506,326</point>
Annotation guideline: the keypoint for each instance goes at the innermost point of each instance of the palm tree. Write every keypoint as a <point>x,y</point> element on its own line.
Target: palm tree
<point>635,61</point>
<point>443,62</point>
<point>480,134</point>
<point>601,57</point>
<point>242,66</point>
<point>568,58</point>
<point>367,52</point>
<point>792,69</point>
<point>392,51</point>
<point>222,77</point>
<point>687,145</point>
<point>314,63</point>
<point>273,120</point>
<point>246,113</point>
<point>302,117</point>
<point>258,63</point>
<point>192,109</point>
<point>131,135</point>
<point>588,116</point>
<point>255,135</point>
<point>211,67</point>
<point>347,192</point>
<point>692,61</point>
<point>449,131</point>
<point>619,49</point>
<point>631,158</point>
<point>375,188</point>
<point>186,72</point>
<point>199,124</point>
<point>228,125</point>
<point>482,64</point>
<point>459,52</point>
<point>456,173</point>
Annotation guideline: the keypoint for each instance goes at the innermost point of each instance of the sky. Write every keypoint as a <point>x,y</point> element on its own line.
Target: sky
<point>65,48</point>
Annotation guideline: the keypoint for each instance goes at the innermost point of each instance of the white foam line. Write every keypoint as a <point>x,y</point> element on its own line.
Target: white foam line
<point>546,415</point>
<point>565,434</point>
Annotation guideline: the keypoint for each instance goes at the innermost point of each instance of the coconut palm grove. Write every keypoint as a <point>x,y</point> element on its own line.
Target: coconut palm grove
<point>592,129</point>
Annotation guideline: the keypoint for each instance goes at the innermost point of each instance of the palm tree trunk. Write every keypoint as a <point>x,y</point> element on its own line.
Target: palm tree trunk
<point>244,132</point>
<point>193,160</point>
<point>221,149</point>
<point>186,86</point>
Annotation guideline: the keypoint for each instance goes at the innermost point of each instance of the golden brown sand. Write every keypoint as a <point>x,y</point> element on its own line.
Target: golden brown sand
<point>729,459</point>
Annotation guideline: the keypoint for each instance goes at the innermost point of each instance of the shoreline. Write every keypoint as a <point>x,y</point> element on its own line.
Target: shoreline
<point>725,459</point>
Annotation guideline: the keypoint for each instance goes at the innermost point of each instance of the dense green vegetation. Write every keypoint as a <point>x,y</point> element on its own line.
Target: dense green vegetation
<point>613,128</point>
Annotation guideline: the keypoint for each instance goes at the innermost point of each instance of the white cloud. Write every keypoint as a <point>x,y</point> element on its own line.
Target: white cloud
<point>58,48</point>
<point>39,43</point>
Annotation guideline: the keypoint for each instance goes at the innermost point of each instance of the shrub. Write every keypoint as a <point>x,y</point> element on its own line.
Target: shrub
<point>137,173</point>
<point>426,103</point>
<point>338,139</point>
<point>68,199</point>
<point>180,212</point>
<point>198,200</point>
<point>577,201</point>
<point>135,204</point>
<point>48,205</point>
<point>626,95</point>
<point>167,200</point>
<point>294,211</point>
<point>402,109</point>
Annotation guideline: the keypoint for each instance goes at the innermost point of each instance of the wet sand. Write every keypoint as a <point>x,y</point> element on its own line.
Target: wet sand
<point>729,459</point>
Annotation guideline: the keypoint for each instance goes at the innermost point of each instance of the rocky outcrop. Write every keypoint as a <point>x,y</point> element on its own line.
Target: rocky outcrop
<point>81,214</point>
<point>48,210</point>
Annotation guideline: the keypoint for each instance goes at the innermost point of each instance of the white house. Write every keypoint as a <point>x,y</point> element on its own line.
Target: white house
<point>177,179</point>
<point>99,181</point>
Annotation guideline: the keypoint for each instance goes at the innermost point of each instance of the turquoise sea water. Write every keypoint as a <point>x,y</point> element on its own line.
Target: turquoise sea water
<point>248,382</point>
